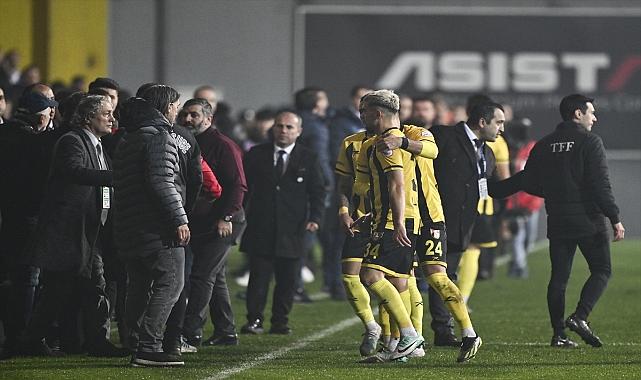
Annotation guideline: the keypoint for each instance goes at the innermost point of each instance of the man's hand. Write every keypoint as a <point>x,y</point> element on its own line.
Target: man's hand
<point>619,231</point>
<point>388,143</point>
<point>224,228</point>
<point>345,222</point>
<point>311,226</point>
<point>400,236</point>
<point>183,235</point>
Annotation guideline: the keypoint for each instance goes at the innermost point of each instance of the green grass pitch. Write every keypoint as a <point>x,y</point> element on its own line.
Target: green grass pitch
<point>511,316</point>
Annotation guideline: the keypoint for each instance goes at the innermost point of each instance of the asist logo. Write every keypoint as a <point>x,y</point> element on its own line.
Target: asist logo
<point>525,72</point>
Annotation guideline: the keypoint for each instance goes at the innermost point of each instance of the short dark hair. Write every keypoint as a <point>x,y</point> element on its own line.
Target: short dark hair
<point>68,106</point>
<point>306,98</point>
<point>160,96</point>
<point>571,103</point>
<point>483,111</point>
<point>144,87</point>
<point>423,98</point>
<point>206,106</point>
<point>475,100</point>
<point>104,83</point>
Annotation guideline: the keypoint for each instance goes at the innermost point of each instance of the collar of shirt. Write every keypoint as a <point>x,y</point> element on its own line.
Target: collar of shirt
<point>287,149</point>
<point>94,140</point>
<point>472,137</point>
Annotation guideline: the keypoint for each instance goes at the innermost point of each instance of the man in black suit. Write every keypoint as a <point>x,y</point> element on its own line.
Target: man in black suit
<point>75,209</point>
<point>285,199</point>
<point>462,168</point>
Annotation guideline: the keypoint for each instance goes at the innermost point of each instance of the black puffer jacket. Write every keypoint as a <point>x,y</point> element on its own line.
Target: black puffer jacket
<point>148,193</point>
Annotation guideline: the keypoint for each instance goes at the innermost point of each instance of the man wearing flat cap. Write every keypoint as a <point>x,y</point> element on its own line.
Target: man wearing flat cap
<point>23,169</point>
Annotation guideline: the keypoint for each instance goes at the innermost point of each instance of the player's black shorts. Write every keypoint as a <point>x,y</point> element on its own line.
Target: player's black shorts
<point>354,247</point>
<point>384,254</point>
<point>431,245</point>
<point>483,233</point>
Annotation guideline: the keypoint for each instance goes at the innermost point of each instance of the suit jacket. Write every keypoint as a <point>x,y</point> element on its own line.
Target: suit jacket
<point>278,211</point>
<point>457,177</point>
<point>70,216</point>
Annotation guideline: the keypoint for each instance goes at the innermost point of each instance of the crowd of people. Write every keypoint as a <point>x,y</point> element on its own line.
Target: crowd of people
<point>125,208</point>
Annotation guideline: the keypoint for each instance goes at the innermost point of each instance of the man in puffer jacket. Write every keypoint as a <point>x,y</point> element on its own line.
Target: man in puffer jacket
<point>150,223</point>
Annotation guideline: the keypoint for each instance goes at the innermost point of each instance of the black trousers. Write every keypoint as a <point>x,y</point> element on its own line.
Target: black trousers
<point>286,272</point>
<point>442,321</point>
<point>208,281</point>
<point>596,251</point>
<point>63,296</point>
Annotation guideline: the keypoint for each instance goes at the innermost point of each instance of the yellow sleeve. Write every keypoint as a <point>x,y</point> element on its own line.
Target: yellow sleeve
<point>430,150</point>
<point>500,149</point>
<point>342,164</point>
<point>391,160</point>
<point>361,179</point>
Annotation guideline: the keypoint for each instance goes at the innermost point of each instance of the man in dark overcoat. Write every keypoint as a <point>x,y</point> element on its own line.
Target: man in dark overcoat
<point>286,191</point>
<point>75,209</point>
<point>463,167</point>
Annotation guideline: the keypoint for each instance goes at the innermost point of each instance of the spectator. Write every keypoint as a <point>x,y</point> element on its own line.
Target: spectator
<point>67,248</point>
<point>150,222</point>
<point>285,197</point>
<point>24,164</point>
<point>215,230</point>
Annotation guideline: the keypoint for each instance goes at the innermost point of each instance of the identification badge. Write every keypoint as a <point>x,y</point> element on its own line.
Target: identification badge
<point>483,189</point>
<point>106,200</point>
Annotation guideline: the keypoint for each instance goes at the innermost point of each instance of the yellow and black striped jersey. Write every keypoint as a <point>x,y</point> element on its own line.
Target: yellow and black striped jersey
<point>346,165</point>
<point>502,155</point>
<point>429,198</point>
<point>371,174</point>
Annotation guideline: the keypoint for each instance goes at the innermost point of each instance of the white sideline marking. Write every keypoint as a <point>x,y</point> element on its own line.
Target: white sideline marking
<point>283,351</point>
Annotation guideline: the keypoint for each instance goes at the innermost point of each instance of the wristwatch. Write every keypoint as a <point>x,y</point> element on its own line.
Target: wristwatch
<point>227,218</point>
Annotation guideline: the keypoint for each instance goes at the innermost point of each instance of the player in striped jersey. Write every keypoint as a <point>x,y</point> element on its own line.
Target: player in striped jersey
<point>390,178</point>
<point>431,247</point>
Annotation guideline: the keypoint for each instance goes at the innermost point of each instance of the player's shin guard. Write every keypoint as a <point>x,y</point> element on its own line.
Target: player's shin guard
<point>452,298</point>
<point>358,297</point>
<point>416,314</point>
<point>390,298</point>
<point>468,269</point>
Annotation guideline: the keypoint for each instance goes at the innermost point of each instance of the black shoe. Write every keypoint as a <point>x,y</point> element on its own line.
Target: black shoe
<point>106,349</point>
<point>280,329</point>
<point>562,342</point>
<point>39,348</point>
<point>255,327</point>
<point>446,340</point>
<point>582,328</point>
<point>192,340</point>
<point>301,297</point>
<point>223,340</point>
<point>156,359</point>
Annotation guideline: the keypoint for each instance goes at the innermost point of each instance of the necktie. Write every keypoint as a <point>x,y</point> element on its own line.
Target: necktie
<point>481,156</point>
<point>101,159</point>
<point>103,166</point>
<point>280,164</point>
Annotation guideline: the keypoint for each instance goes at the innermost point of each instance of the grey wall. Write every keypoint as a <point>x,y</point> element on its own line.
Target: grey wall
<point>242,47</point>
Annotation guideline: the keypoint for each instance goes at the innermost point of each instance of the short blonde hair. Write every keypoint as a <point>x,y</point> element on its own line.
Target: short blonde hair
<point>386,99</point>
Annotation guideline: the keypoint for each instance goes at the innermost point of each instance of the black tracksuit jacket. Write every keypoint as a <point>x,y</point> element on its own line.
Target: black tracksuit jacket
<point>569,169</point>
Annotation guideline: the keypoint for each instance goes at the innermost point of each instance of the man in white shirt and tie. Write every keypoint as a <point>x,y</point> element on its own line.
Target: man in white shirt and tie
<point>286,189</point>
